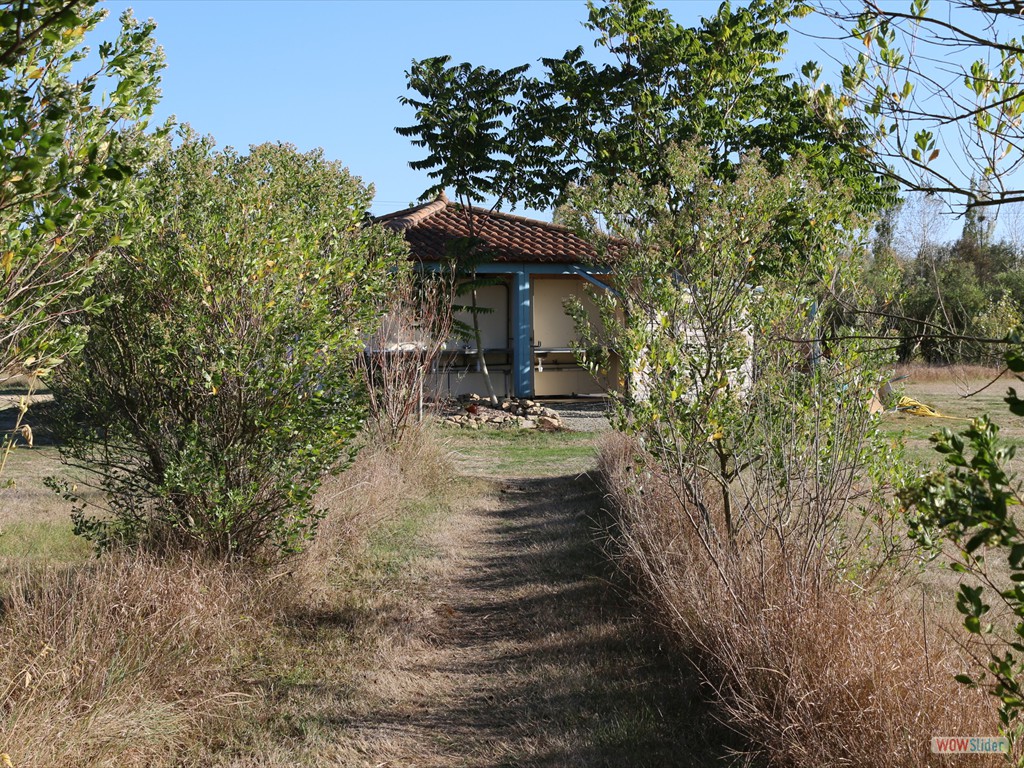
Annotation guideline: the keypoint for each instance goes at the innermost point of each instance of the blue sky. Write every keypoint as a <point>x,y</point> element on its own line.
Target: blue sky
<point>329,74</point>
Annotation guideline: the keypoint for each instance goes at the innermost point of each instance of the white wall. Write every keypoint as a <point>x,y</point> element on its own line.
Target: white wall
<point>494,327</point>
<point>552,327</point>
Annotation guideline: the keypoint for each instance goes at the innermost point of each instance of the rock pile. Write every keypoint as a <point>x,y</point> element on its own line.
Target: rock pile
<point>475,412</point>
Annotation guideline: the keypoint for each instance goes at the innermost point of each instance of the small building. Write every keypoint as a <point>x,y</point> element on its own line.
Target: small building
<point>527,335</point>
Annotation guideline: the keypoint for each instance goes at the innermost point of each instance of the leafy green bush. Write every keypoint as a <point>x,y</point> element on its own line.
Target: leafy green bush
<point>749,377</point>
<point>64,160</point>
<point>218,389</point>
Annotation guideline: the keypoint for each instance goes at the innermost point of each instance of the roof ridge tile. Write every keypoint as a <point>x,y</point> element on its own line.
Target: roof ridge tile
<point>550,225</point>
<point>399,221</point>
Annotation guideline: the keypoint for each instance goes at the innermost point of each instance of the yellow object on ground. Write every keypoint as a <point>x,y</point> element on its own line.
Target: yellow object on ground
<point>916,408</point>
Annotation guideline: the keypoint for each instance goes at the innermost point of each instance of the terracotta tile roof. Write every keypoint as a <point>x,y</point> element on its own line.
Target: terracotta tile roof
<point>428,227</point>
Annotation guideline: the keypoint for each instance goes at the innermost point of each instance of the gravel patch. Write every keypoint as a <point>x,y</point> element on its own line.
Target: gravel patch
<point>581,415</point>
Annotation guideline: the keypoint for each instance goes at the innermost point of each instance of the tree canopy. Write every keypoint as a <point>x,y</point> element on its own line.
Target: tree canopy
<point>71,132</point>
<point>525,138</point>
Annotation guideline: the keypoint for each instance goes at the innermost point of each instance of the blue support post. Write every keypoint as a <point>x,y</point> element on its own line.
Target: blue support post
<point>522,325</point>
<point>522,312</point>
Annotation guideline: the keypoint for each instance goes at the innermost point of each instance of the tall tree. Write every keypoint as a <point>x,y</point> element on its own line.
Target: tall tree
<point>65,154</point>
<point>717,83</point>
<point>463,120</point>
<point>666,85</point>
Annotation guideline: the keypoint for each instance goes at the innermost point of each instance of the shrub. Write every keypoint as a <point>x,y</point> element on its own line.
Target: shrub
<point>756,496</point>
<point>811,672</point>
<point>218,390</point>
<point>749,378</point>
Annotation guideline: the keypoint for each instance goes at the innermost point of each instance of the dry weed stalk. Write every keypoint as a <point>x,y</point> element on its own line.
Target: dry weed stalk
<point>405,349</point>
<point>809,667</point>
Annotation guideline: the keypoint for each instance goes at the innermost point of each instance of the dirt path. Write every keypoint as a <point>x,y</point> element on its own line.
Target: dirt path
<point>528,654</point>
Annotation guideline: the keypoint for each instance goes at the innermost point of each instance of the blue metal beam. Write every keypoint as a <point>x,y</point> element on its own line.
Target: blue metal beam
<point>505,268</point>
<point>511,268</point>
<point>589,277</point>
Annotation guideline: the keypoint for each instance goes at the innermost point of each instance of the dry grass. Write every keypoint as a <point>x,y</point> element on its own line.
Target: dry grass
<point>125,661</point>
<point>353,605</point>
<point>806,670</point>
<point>380,487</point>
<point>921,372</point>
<point>130,661</point>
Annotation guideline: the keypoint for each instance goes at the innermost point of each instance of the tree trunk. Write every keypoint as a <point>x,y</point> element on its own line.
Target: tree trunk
<point>480,356</point>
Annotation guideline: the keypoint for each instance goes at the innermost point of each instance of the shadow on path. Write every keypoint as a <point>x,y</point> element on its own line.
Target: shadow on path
<point>539,660</point>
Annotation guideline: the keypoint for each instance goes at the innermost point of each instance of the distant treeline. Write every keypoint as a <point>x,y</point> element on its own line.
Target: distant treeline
<point>947,302</point>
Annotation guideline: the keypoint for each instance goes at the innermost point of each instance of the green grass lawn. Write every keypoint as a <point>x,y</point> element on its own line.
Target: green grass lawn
<point>953,396</point>
<point>950,397</point>
<point>35,523</point>
<point>528,453</point>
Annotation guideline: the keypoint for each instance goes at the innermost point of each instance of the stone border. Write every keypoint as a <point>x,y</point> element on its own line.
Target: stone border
<point>475,412</point>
